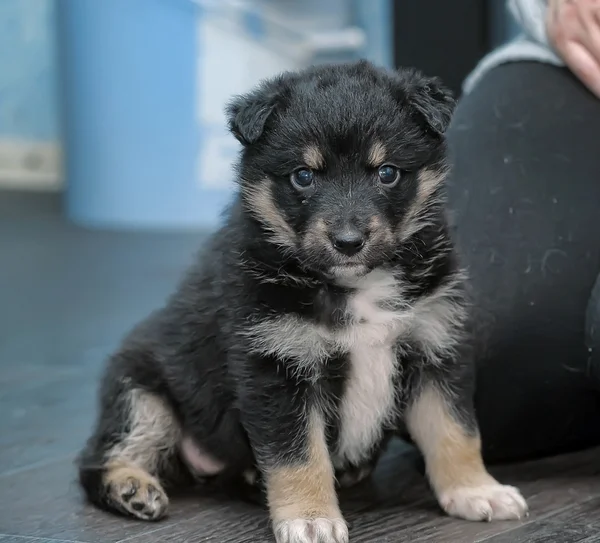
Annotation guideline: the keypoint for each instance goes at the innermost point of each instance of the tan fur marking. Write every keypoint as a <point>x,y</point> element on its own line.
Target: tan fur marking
<point>316,235</point>
<point>321,226</point>
<point>429,181</point>
<point>262,206</point>
<point>415,219</point>
<point>452,456</point>
<point>305,491</point>
<point>119,472</point>
<point>380,231</point>
<point>374,223</point>
<point>377,154</point>
<point>313,158</point>
<point>153,437</point>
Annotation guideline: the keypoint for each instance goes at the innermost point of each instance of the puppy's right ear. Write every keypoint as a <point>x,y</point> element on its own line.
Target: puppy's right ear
<point>429,97</point>
<point>247,114</point>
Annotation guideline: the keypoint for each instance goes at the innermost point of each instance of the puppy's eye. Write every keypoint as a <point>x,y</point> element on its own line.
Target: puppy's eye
<point>302,179</point>
<point>388,175</point>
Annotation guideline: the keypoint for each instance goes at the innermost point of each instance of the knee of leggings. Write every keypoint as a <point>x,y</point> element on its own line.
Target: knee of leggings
<point>592,334</point>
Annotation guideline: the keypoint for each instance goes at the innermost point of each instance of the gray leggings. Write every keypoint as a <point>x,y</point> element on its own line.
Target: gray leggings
<point>526,195</point>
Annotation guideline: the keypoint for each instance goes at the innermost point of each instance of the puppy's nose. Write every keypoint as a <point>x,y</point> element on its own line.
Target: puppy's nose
<point>348,241</point>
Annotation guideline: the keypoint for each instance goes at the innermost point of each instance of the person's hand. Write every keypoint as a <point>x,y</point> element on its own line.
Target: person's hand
<point>574,30</point>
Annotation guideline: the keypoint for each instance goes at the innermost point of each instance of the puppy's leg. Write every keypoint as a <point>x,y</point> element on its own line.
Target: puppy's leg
<point>134,444</point>
<point>446,432</point>
<point>292,453</point>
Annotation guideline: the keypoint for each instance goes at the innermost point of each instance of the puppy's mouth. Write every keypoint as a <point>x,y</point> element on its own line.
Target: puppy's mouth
<point>348,270</point>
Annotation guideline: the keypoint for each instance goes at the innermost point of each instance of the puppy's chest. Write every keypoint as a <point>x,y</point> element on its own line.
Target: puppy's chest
<point>351,348</point>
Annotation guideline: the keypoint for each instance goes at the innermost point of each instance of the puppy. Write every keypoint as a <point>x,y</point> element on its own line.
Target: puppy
<point>326,314</point>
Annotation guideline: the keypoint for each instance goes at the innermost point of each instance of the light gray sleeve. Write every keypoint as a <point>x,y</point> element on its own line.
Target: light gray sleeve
<point>531,16</point>
<point>531,45</point>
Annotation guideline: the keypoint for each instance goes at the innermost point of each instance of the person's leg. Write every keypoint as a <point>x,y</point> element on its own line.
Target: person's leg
<point>525,191</point>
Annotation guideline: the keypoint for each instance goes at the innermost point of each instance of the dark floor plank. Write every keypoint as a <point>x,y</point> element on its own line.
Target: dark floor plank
<point>22,539</point>
<point>573,524</point>
<point>586,513</point>
<point>43,419</point>
<point>545,532</point>
<point>225,523</point>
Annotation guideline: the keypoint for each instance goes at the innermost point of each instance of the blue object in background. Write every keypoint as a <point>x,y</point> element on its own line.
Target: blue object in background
<point>27,71</point>
<point>376,17</point>
<point>131,136</point>
<point>137,144</point>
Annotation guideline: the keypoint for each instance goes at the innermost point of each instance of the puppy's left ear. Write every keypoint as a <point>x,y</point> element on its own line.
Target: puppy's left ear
<point>247,114</point>
<point>430,98</point>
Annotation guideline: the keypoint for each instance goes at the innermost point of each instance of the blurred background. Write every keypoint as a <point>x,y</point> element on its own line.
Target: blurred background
<point>115,161</point>
<point>119,104</point>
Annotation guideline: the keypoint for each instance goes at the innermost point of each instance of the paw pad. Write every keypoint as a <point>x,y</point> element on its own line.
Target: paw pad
<point>137,494</point>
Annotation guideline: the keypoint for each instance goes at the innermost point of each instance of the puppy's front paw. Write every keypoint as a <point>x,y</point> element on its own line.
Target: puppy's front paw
<point>319,530</point>
<point>486,502</point>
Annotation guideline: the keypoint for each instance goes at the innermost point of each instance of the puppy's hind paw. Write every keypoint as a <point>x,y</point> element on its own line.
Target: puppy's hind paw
<point>351,477</point>
<point>486,502</point>
<point>136,493</point>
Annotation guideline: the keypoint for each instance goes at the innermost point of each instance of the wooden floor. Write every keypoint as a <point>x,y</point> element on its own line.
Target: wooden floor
<point>66,296</point>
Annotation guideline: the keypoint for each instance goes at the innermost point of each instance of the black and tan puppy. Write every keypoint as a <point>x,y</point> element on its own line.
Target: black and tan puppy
<point>326,314</point>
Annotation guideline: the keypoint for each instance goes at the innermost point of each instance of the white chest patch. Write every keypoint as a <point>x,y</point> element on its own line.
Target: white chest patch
<point>369,401</point>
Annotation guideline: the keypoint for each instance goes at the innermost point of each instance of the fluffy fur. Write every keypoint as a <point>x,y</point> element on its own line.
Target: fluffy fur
<point>326,314</point>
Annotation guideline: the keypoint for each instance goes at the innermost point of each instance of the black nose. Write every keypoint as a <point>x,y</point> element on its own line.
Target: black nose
<point>348,241</point>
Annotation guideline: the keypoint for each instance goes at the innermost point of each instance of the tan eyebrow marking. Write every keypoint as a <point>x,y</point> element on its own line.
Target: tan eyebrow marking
<point>377,154</point>
<point>313,158</point>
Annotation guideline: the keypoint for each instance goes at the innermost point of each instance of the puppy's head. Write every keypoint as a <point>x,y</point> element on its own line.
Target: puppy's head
<point>340,161</point>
